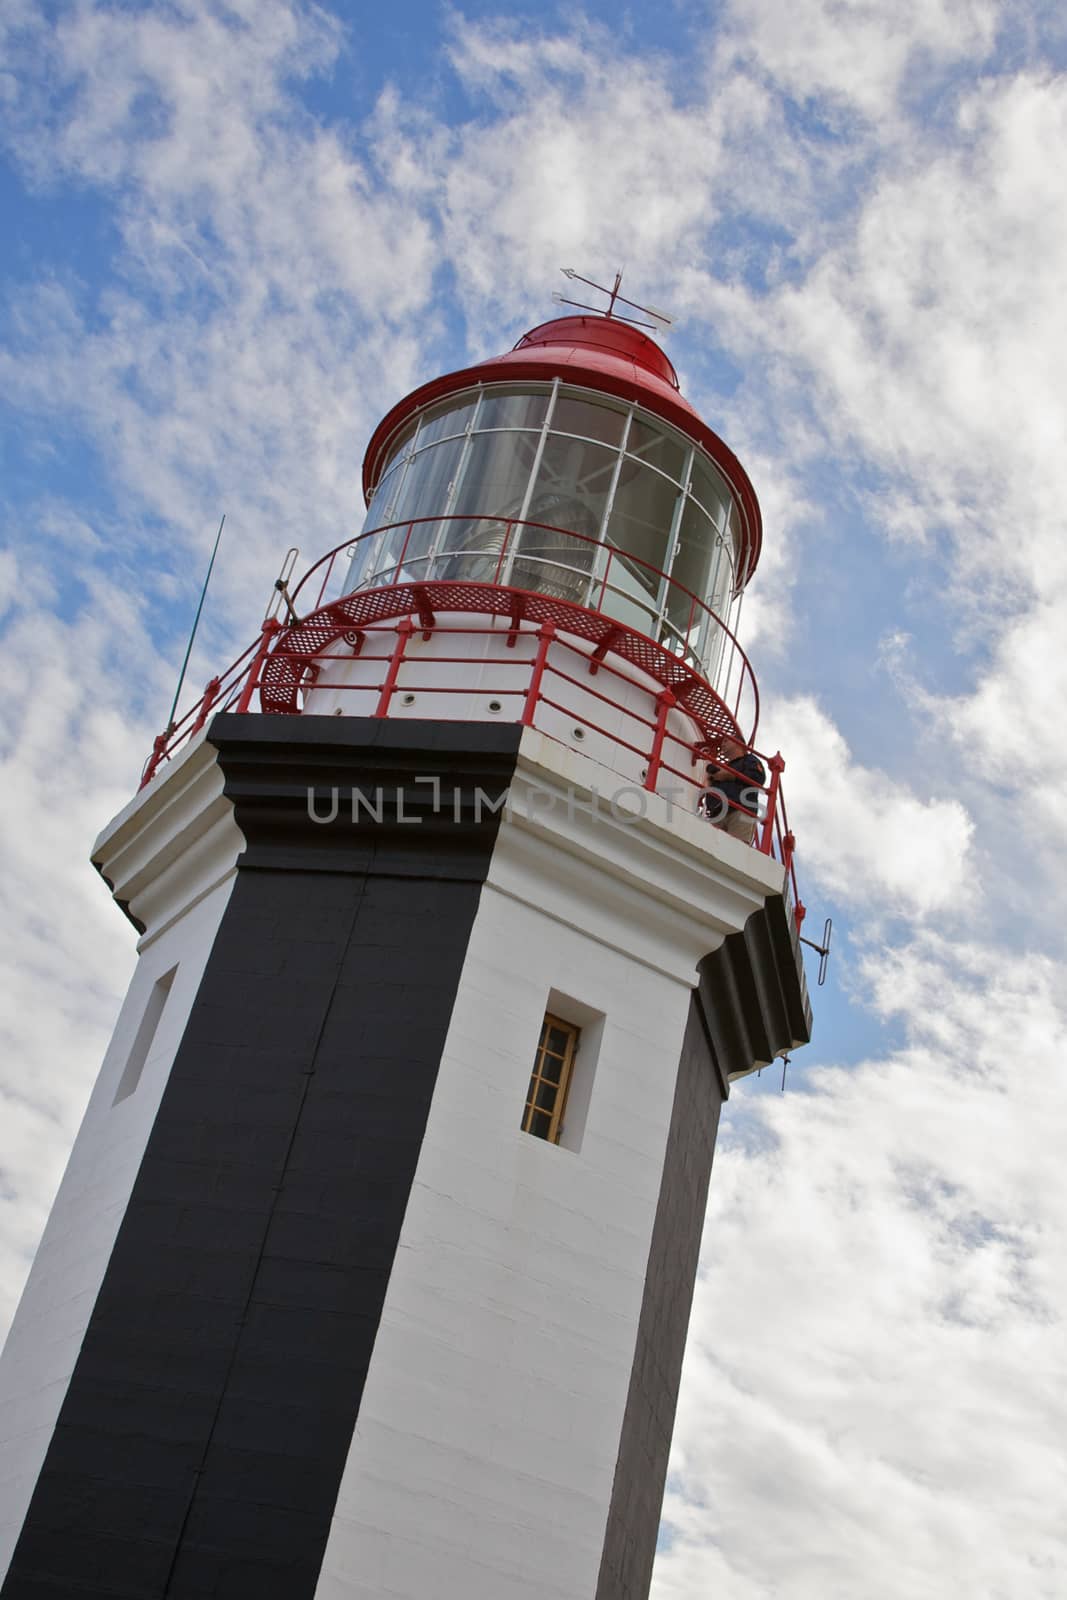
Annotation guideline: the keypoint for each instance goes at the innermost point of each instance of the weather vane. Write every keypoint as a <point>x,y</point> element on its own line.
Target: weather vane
<point>662,320</point>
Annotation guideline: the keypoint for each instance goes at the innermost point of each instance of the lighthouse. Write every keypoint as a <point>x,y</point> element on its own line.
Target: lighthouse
<point>370,1273</point>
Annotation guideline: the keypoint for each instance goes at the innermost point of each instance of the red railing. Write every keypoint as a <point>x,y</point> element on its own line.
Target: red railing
<point>289,661</point>
<point>670,613</point>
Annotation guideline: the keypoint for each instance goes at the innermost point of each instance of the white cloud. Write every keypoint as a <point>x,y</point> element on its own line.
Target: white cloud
<point>898,1430</point>
<point>267,283</point>
<point>546,179</point>
<point>852,59</point>
<point>922,346</point>
<point>72,748</point>
<point>867,839</point>
<point>932,332</point>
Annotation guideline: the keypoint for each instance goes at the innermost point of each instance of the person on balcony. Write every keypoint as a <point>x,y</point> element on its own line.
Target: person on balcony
<point>735,781</point>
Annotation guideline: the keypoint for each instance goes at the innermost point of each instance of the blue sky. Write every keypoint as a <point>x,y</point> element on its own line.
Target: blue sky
<point>235,235</point>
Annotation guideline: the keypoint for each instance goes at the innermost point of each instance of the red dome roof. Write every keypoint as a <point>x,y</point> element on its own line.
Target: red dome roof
<point>598,353</point>
<point>607,335</point>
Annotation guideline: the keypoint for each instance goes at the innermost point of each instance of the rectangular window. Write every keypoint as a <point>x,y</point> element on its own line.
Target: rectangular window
<point>546,1098</point>
<point>144,1037</point>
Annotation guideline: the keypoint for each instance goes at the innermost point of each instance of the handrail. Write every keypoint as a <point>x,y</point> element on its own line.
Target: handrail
<point>657,614</point>
<point>302,647</point>
<point>217,692</point>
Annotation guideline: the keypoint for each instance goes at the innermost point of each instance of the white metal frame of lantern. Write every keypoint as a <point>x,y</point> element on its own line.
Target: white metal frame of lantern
<point>410,490</point>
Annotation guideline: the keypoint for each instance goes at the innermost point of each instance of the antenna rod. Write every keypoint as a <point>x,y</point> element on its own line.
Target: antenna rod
<point>196,624</point>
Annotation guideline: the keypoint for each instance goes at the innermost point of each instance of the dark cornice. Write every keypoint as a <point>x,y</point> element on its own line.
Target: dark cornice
<point>437,787</point>
<point>752,995</point>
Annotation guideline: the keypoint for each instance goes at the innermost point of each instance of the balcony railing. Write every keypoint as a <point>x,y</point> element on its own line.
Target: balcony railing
<point>576,656</point>
<point>540,557</point>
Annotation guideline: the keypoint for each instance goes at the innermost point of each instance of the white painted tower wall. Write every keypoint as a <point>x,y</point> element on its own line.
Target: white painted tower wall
<point>497,675</point>
<point>485,1451</point>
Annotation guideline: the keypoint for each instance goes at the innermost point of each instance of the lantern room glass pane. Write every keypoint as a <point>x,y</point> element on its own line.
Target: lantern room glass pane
<point>733,524</point>
<point>512,409</point>
<point>694,561</point>
<point>446,420</point>
<point>399,447</point>
<point>638,532</point>
<point>495,474</point>
<point>550,562</point>
<point>589,420</point>
<point>362,563</point>
<point>491,489</point>
<point>379,512</point>
<point>657,448</point>
<point>367,552</point>
<point>425,490</point>
<point>641,516</point>
<point>708,486</point>
<point>570,493</point>
<point>429,478</point>
<point>572,485</point>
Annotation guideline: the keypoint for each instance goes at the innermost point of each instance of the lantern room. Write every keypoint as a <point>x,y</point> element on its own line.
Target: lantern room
<point>553,537</point>
<point>579,444</point>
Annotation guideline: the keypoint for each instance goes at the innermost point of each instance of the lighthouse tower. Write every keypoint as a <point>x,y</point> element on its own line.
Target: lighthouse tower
<point>370,1273</point>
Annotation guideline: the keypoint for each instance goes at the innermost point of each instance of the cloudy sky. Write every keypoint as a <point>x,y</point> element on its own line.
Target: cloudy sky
<point>234,234</point>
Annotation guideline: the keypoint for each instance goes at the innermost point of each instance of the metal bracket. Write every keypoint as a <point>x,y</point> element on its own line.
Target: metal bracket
<point>601,651</point>
<point>823,949</point>
<point>281,587</point>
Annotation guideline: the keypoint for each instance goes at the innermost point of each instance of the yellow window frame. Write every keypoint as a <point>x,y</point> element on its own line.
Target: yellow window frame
<point>541,1120</point>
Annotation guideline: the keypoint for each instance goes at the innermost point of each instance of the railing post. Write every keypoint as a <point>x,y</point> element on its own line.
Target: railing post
<point>789,845</point>
<point>545,634</point>
<point>777,766</point>
<point>403,554</point>
<point>508,528</point>
<point>326,579</point>
<point>604,579</point>
<point>159,746</point>
<point>404,629</point>
<point>270,627</point>
<point>210,695</point>
<point>665,701</point>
